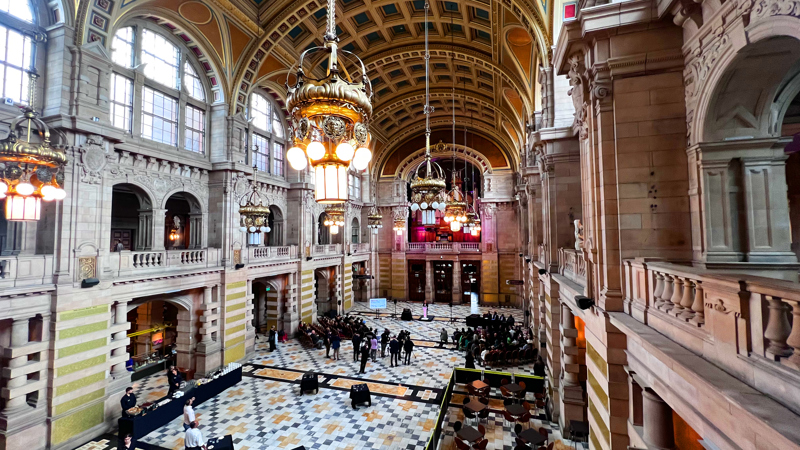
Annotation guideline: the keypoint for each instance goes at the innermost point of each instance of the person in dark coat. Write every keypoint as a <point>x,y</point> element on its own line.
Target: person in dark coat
<point>394,350</point>
<point>127,402</point>
<point>384,342</point>
<point>356,345</point>
<point>175,384</point>
<point>470,361</point>
<point>364,356</point>
<point>273,338</point>
<point>327,339</point>
<point>335,343</point>
<point>510,320</point>
<point>408,347</point>
<point>126,443</point>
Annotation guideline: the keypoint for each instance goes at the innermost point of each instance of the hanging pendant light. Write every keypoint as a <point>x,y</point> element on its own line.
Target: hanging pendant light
<point>330,118</point>
<point>334,217</point>
<point>427,182</point>
<point>374,217</point>
<point>253,214</point>
<point>400,221</point>
<point>31,169</point>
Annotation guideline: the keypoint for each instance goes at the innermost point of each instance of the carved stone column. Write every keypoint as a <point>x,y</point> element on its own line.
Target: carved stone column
<point>429,282</point>
<point>16,402</point>
<point>657,418</point>
<point>457,297</point>
<point>158,228</point>
<point>571,395</point>
<point>144,236</point>
<point>195,230</point>
<point>121,316</point>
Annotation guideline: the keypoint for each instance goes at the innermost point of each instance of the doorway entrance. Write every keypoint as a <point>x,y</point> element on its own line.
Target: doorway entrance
<point>416,281</point>
<point>443,281</point>
<point>470,280</point>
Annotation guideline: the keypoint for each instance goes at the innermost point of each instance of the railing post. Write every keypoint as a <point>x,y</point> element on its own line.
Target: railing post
<point>687,301</point>
<point>659,289</point>
<point>794,337</point>
<point>699,305</point>
<point>777,329</point>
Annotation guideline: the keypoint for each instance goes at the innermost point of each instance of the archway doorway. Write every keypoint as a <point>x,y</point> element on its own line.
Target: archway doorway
<point>323,232</point>
<point>153,337</point>
<point>416,280</point>
<point>269,304</point>
<point>183,222</point>
<point>131,218</point>
<point>470,281</point>
<point>443,281</point>
<point>360,285</point>
<point>323,291</point>
<point>275,222</point>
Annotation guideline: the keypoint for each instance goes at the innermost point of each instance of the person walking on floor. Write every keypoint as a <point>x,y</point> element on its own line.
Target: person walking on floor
<point>193,440</point>
<point>335,343</point>
<point>408,346</point>
<point>394,351</point>
<point>188,414</point>
<point>470,361</point>
<point>356,345</point>
<point>443,338</point>
<point>273,339</point>
<point>373,347</point>
<point>327,344</point>
<point>364,356</point>
<point>384,342</point>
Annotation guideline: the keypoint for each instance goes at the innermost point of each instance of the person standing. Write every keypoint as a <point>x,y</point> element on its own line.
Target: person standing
<point>327,344</point>
<point>364,356</point>
<point>356,345</point>
<point>273,339</point>
<point>188,413</point>
<point>470,361</point>
<point>443,338</point>
<point>335,343</point>
<point>175,384</point>
<point>424,311</point>
<point>193,440</point>
<point>384,342</point>
<point>408,346</point>
<point>373,343</point>
<point>127,402</point>
<point>394,351</point>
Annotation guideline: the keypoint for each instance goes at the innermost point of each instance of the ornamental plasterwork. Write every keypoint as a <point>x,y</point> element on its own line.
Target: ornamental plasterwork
<point>159,176</point>
<point>92,160</point>
<point>768,8</point>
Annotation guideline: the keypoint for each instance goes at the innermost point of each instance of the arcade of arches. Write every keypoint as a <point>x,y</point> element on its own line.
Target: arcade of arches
<point>633,163</point>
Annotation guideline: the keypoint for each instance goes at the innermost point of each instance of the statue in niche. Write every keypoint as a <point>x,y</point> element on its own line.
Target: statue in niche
<point>578,234</point>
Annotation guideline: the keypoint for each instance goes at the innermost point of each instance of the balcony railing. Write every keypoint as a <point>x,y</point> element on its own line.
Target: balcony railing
<point>745,324</point>
<point>127,263</point>
<point>359,248</point>
<point>443,247</point>
<point>25,270</point>
<point>327,249</point>
<point>572,265</point>
<point>257,254</point>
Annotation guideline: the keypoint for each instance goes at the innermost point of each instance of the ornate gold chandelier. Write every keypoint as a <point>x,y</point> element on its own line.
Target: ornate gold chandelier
<point>374,220</point>
<point>399,222</point>
<point>30,171</point>
<point>253,214</point>
<point>330,119</point>
<point>427,182</point>
<point>334,217</point>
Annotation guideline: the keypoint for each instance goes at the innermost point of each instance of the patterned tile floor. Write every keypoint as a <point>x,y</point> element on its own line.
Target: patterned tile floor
<point>265,410</point>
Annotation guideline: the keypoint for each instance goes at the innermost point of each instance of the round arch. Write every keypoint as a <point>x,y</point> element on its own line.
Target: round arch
<point>705,90</point>
<point>276,225</point>
<point>407,166</point>
<point>196,206</point>
<point>355,231</point>
<point>173,27</point>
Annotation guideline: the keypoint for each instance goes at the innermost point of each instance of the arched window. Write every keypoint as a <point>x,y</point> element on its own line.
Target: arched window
<point>354,186</point>
<point>17,26</point>
<point>167,117</point>
<point>355,231</point>
<point>266,136</point>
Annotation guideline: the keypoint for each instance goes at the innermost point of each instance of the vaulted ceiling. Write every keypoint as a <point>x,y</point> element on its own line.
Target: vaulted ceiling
<point>489,49</point>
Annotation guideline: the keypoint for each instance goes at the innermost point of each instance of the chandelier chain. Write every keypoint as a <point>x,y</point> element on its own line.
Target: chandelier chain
<point>428,108</point>
<point>330,34</point>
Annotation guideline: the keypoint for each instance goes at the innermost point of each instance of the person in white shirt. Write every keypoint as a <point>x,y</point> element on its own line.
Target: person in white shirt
<point>188,413</point>
<point>194,439</point>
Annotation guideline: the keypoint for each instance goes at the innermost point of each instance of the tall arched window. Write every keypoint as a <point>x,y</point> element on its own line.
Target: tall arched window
<point>170,103</point>
<point>266,136</point>
<point>17,28</point>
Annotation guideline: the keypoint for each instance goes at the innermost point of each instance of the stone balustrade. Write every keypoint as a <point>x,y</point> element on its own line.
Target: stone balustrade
<point>25,270</point>
<point>746,325</point>
<point>443,247</point>
<point>572,265</point>
<point>272,253</point>
<point>128,263</point>
<point>327,249</point>
<point>359,248</point>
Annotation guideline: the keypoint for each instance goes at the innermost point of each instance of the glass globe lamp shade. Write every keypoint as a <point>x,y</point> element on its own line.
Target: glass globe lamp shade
<point>315,150</point>
<point>252,229</point>
<point>423,205</point>
<point>61,194</point>
<point>442,206</point>
<point>362,158</point>
<point>24,189</point>
<point>473,232</point>
<point>335,229</point>
<point>268,229</point>
<point>21,209</point>
<point>455,225</point>
<point>48,193</point>
<point>242,228</point>
<point>263,229</point>
<point>297,158</point>
<point>435,205</point>
<point>414,207</point>
<point>345,151</point>
<point>3,189</point>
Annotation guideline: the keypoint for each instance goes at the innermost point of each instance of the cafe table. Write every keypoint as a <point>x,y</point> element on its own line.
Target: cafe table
<point>469,434</point>
<point>475,406</point>
<point>532,436</point>
<point>516,409</point>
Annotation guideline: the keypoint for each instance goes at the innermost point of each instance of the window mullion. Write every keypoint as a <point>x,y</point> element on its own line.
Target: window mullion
<point>182,123</point>
<point>138,99</point>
